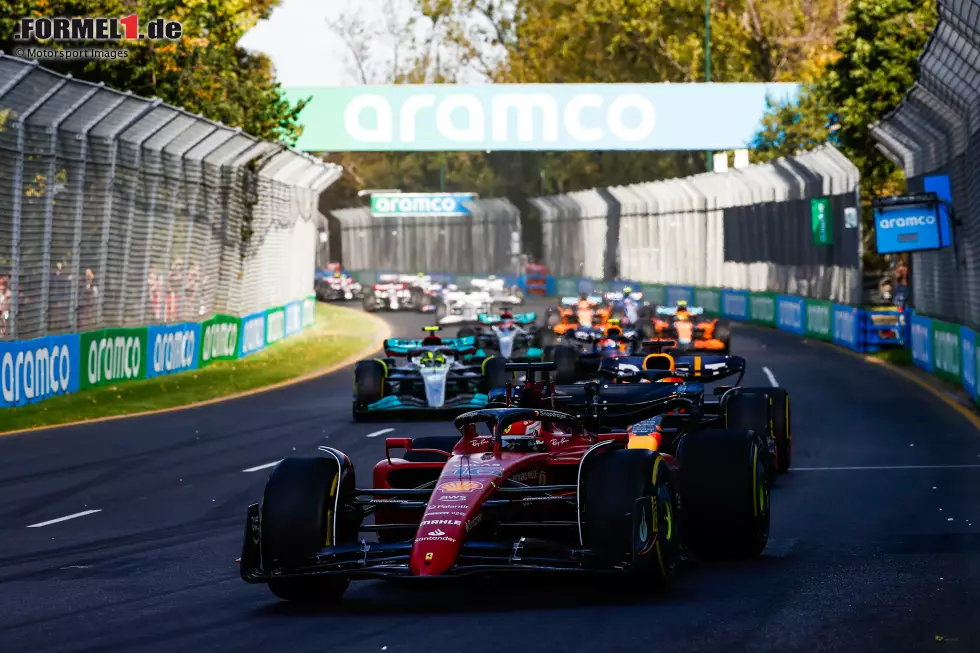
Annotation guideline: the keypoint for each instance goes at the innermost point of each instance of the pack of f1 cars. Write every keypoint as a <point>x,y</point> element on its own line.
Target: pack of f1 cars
<point>615,478</point>
<point>573,312</point>
<point>484,297</point>
<point>336,285</point>
<point>509,336</point>
<point>425,377</point>
<point>691,329</point>
<point>577,352</point>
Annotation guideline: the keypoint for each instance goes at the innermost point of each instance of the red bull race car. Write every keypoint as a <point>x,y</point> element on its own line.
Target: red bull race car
<point>554,479</point>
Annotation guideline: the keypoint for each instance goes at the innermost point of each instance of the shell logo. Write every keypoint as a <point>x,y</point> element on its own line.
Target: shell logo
<point>461,486</point>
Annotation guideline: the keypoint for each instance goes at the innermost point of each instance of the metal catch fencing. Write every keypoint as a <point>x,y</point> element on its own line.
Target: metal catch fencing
<point>485,242</point>
<point>119,211</point>
<point>755,228</point>
<point>934,134</point>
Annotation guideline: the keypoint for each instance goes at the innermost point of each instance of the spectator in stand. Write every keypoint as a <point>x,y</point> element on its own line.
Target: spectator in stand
<point>155,286</point>
<point>88,299</point>
<point>192,291</point>
<point>174,285</point>
<point>4,306</point>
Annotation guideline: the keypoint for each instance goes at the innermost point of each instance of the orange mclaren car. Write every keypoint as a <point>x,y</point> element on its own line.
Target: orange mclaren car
<point>691,329</point>
<point>574,312</point>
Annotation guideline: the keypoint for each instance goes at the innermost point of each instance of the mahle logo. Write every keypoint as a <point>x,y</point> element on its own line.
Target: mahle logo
<point>114,359</point>
<point>845,326</point>
<point>920,342</point>
<point>945,353</point>
<point>463,118</point>
<point>220,340</point>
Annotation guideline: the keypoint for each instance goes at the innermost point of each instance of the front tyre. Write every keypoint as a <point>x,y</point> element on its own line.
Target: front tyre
<point>629,513</point>
<point>307,503</point>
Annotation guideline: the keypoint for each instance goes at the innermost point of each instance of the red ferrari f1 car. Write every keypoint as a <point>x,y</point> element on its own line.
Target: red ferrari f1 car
<point>550,481</point>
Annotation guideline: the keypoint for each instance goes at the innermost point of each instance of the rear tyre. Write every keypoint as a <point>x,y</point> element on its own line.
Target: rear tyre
<point>440,442</point>
<point>544,338</point>
<point>782,429</point>
<point>629,510</point>
<point>552,317</point>
<point>495,374</point>
<point>417,298</point>
<point>723,332</point>
<point>724,494</point>
<point>307,503</point>
<point>751,409</point>
<point>566,362</point>
<point>369,303</point>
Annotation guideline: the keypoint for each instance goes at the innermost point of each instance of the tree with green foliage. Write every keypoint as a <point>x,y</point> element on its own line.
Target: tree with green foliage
<point>878,44</point>
<point>204,72</point>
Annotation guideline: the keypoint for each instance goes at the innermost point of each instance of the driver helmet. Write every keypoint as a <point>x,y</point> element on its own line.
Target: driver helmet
<point>432,359</point>
<point>523,435</point>
<point>682,305</point>
<point>628,290</point>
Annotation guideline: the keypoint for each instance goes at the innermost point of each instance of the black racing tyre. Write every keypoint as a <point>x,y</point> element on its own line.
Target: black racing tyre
<point>751,409</point>
<point>369,381</point>
<point>307,504</point>
<point>544,338</point>
<point>644,312</point>
<point>417,298</point>
<point>629,509</point>
<point>442,310</point>
<point>369,302</point>
<point>440,442</point>
<point>495,374</point>
<point>465,332</point>
<point>723,332</point>
<point>724,495</point>
<point>781,423</point>
<point>566,363</point>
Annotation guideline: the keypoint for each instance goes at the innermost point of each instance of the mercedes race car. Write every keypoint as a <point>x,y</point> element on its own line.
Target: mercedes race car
<point>430,376</point>
<point>527,486</point>
<point>688,326</point>
<point>513,337</point>
<point>337,285</point>
<point>486,296</point>
<point>627,306</point>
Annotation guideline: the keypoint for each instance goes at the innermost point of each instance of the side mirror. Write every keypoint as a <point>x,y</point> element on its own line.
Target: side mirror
<point>722,389</point>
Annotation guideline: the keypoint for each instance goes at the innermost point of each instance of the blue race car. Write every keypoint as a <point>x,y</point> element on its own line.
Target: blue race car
<point>428,377</point>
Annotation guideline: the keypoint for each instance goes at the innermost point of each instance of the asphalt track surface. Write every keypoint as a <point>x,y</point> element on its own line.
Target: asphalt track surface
<point>884,559</point>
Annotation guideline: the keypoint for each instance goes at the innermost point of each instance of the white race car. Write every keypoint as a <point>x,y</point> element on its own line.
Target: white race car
<point>499,292</point>
<point>459,307</point>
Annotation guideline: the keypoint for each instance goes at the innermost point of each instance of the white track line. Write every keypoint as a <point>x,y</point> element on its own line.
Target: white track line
<point>381,432</point>
<point>879,468</point>
<point>772,379</point>
<point>265,466</point>
<point>66,518</point>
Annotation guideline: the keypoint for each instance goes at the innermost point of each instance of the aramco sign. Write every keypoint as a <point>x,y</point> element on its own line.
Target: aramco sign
<point>450,117</point>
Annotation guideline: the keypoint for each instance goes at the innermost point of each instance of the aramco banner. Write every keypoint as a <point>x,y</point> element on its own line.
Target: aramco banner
<point>453,117</point>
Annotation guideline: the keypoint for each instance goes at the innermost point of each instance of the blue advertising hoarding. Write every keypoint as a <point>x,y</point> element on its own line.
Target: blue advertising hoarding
<point>253,334</point>
<point>907,228</point>
<point>520,117</point>
<point>680,294</point>
<point>735,304</point>
<point>294,317</point>
<point>921,336</point>
<point>34,370</point>
<point>847,326</point>
<point>172,348</point>
<point>790,314</point>
<point>968,360</point>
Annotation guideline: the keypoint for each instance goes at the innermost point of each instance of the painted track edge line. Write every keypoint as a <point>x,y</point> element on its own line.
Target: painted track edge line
<point>943,396</point>
<point>383,333</point>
